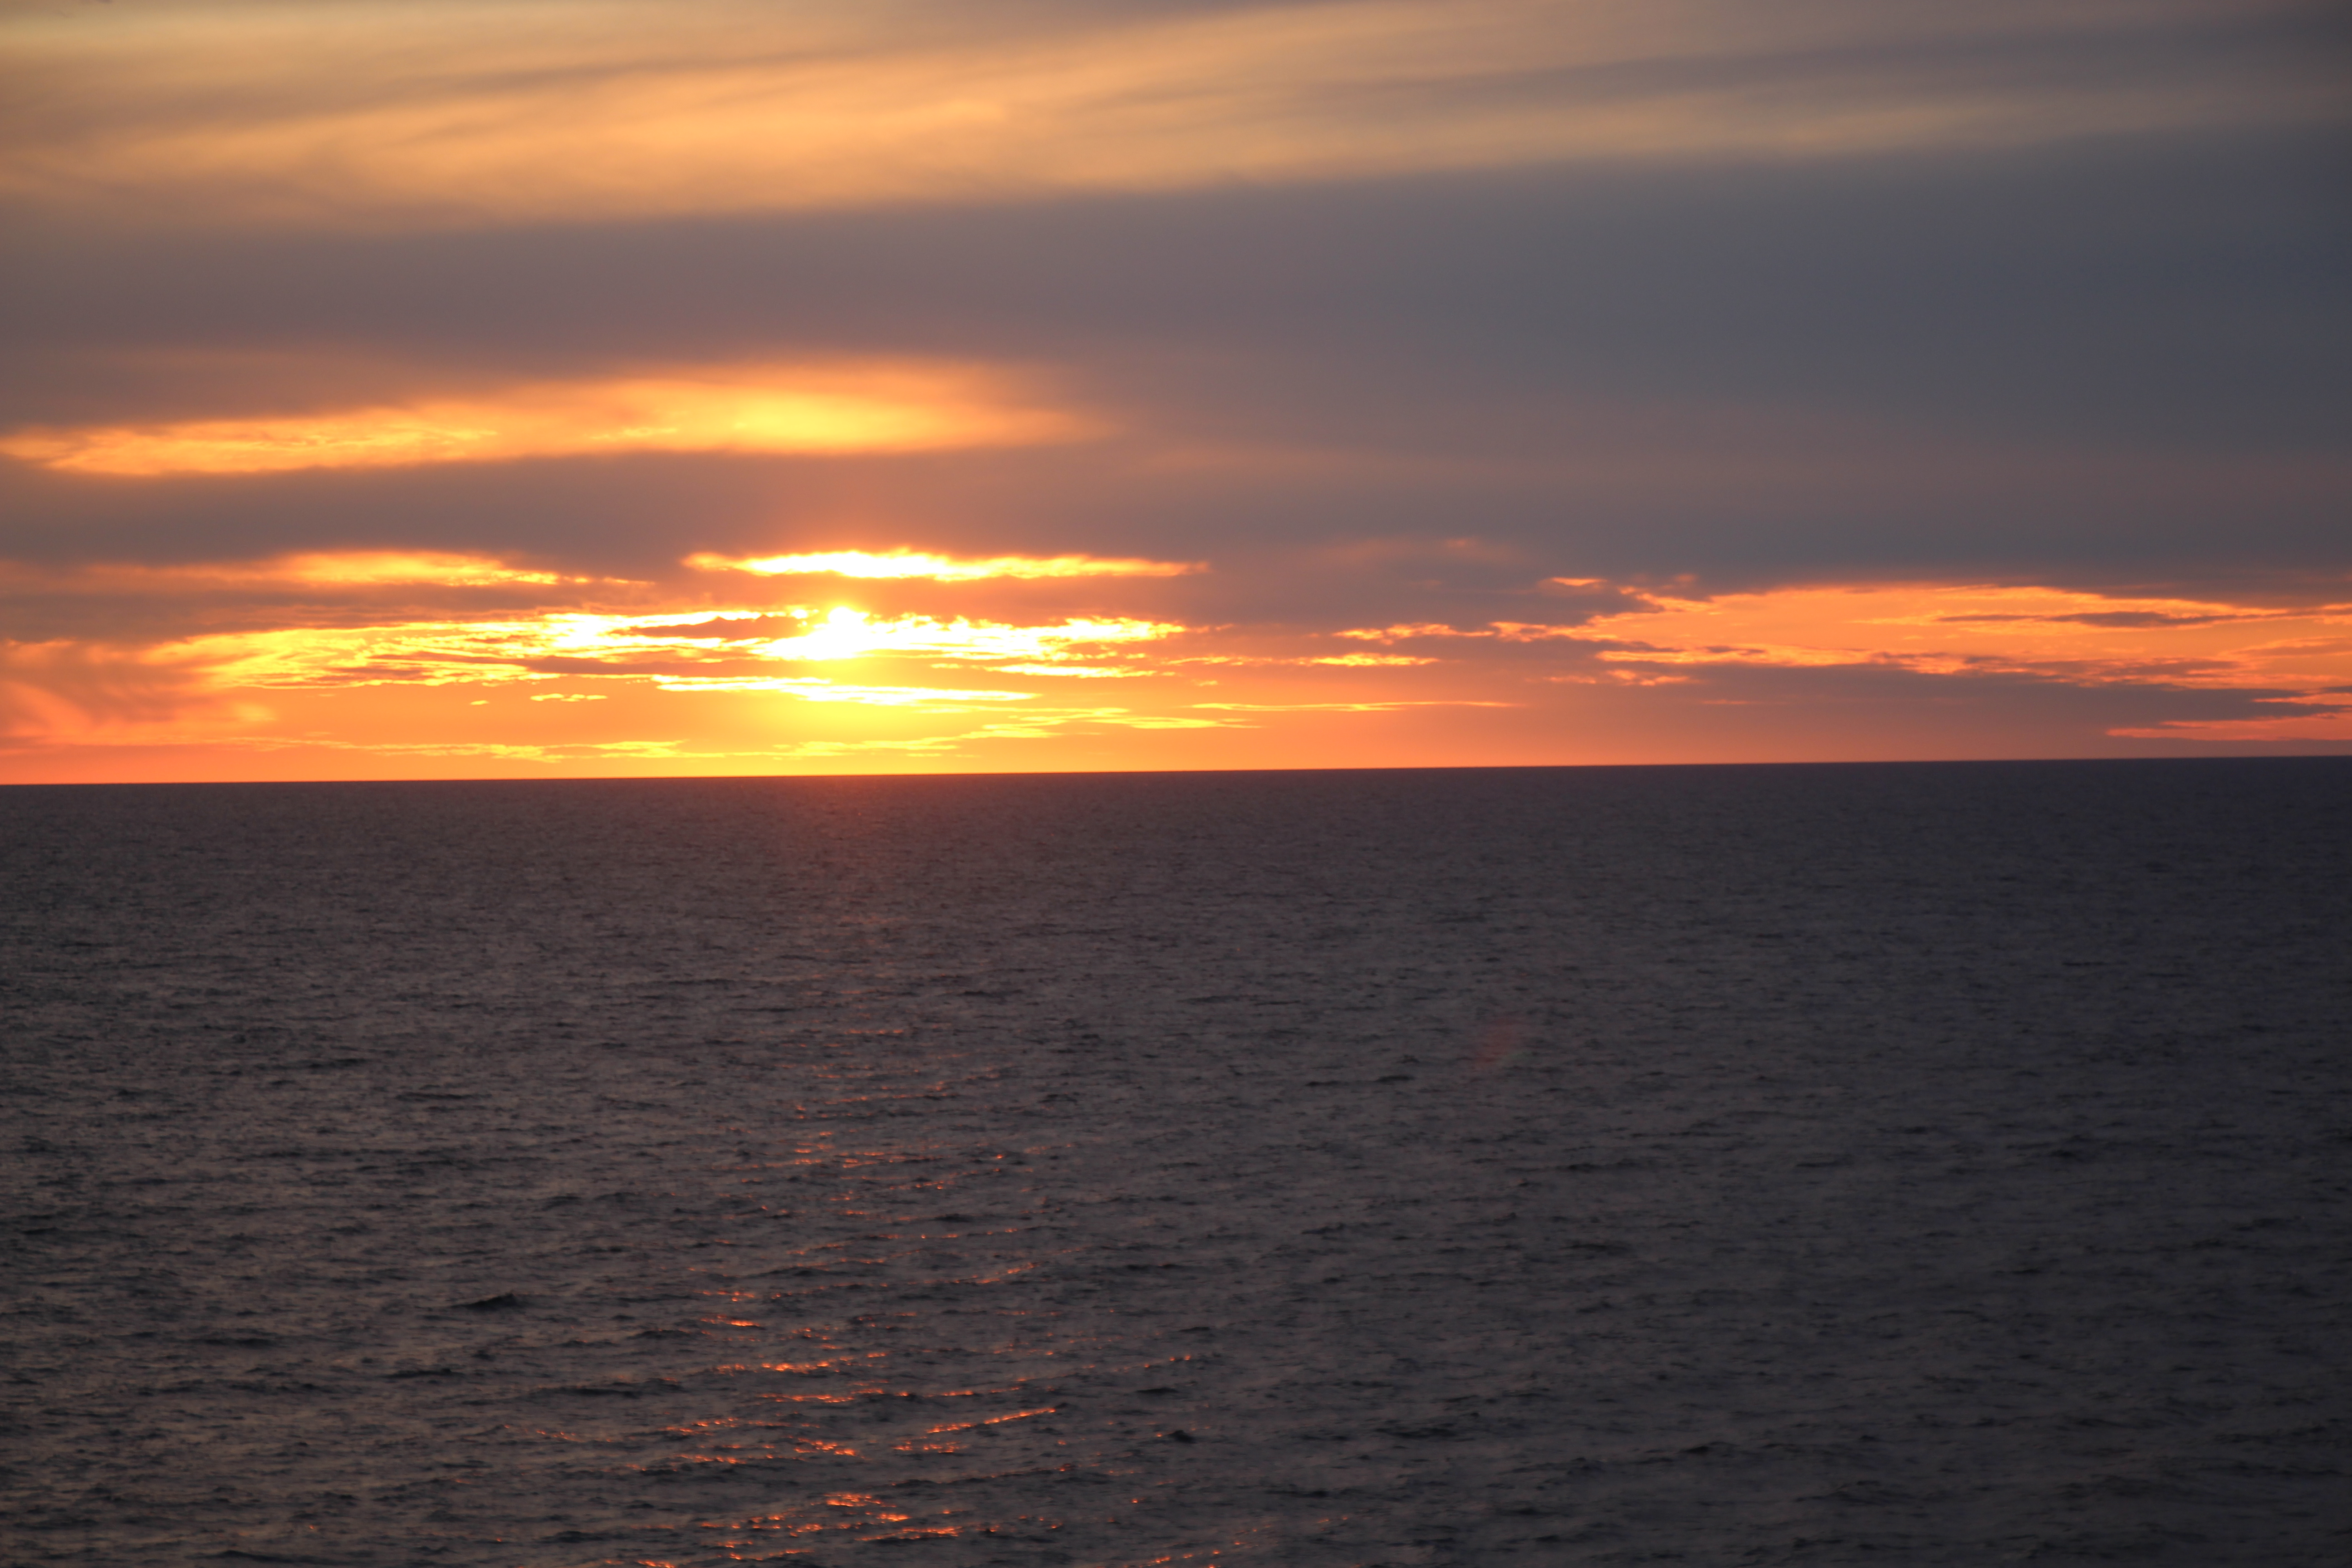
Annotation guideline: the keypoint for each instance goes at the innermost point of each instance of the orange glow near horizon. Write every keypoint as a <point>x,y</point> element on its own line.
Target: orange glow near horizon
<point>639,648</point>
<point>807,409</point>
<point>837,688</point>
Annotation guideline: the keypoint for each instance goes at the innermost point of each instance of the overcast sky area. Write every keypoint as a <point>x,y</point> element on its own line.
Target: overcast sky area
<point>534,388</point>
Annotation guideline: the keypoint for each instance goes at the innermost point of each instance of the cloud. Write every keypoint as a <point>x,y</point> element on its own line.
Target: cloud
<point>1937,629</point>
<point>779,409</point>
<point>940,568</point>
<point>309,569</point>
<point>2068,365</point>
<point>1375,707</point>
<point>1956,628</point>
<point>63,690</point>
<point>132,602</point>
<point>747,627</point>
<point>478,112</point>
<point>744,654</point>
<point>2330,727</point>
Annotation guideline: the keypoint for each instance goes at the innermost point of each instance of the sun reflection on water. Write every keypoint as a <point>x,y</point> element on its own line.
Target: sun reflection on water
<point>886,1352</point>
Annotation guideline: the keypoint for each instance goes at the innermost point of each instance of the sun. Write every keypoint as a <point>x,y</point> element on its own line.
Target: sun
<point>845,632</point>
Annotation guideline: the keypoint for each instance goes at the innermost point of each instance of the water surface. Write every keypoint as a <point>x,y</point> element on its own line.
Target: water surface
<point>1918,1164</point>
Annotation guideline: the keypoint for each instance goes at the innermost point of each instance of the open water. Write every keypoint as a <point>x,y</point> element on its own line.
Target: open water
<point>1909,1164</point>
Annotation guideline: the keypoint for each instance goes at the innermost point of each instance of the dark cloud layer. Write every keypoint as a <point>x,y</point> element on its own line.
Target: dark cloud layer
<point>2146,289</point>
<point>2043,319</point>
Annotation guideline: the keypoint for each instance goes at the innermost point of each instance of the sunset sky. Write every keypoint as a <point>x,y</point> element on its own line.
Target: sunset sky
<point>542,388</point>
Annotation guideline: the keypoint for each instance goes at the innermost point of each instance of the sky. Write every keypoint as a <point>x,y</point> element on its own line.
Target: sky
<point>556,388</point>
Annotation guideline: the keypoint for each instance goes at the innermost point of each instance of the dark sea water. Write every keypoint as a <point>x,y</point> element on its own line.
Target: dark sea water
<point>1908,1164</point>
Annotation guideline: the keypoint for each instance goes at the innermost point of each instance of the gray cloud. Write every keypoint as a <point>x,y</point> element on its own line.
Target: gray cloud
<point>2157,290</point>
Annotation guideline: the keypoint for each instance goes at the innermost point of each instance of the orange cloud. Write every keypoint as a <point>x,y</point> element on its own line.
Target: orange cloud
<point>2327,724</point>
<point>1373,707</point>
<point>1357,660</point>
<point>765,408</point>
<point>315,569</point>
<point>942,568</point>
<point>1942,628</point>
<point>845,632</point>
<point>646,647</point>
<point>532,112</point>
<point>1949,629</point>
<point>46,688</point>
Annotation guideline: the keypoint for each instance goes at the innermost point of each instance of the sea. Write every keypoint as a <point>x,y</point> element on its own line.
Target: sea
<point>1900,1164</point>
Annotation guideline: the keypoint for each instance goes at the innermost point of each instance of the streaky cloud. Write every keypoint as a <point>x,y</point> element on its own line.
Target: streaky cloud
<point>798,409</point>
<point>375,115</point>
